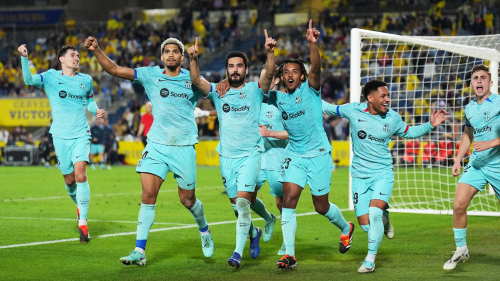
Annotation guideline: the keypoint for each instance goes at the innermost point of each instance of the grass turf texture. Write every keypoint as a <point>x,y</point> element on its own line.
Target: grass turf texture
<point>34,207</point>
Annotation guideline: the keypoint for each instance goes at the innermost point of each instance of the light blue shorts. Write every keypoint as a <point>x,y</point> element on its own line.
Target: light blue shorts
<point>70,151</point>
<point>158,159</point>
<point>364,190</point>
<point>315,171</point>
<point>273,178</point>
<point>240,174</point>
<point>96,148</point>
<point>478,177</point>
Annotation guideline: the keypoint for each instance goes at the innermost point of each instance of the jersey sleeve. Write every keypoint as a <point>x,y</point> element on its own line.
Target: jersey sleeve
<point>272,98</point>
<point>31,79</point>
<point>213,94</point>
<point>314,92</point>
<point>141,75</point>
<point>467,123</point>
<point>343,111</point>
<point>405,131</point>
<point>91,104</point>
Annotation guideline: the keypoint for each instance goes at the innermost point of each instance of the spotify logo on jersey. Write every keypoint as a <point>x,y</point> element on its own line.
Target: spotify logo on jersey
<point>62,94</point>
<point>362,134</point>
<point>164,92</point>
<point>226,108</point>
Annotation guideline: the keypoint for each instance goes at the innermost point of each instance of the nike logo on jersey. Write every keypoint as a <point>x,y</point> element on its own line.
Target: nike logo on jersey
<point>361,120</point>
<point>280,103</point>
<point>190,184</point>
<point>61,83</point>
<point>77,156</point>
<point>248,185</point>
<point>319,190</point>
<point>382,193</point>
<point>160,80</point>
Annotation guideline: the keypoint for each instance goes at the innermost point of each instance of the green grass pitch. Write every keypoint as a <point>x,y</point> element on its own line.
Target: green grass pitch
<point>34,207</point>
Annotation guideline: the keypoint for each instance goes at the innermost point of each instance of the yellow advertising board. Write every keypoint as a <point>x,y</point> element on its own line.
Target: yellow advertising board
<point>26,112</point>
<point>340,153</point>
<point>132,151</point>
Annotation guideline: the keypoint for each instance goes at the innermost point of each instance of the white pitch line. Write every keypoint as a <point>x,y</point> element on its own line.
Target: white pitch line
<point>97,195</point>
<point>133,232</point>
<point>110,221</point>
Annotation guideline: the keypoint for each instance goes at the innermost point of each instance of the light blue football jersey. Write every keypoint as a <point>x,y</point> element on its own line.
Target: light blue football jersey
<point>370,136</point>
<point>274,149</point>
<point>68,97</point>
<point>303,120</point>
<point>173,100</point>
<point>238,113</point>
<point>484,120</point>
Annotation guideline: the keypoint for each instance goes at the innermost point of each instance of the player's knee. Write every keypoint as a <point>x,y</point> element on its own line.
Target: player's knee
<point>69,181</point>
<point>375,214</point>
<point>243,206</point>
<point>321,209</point>
<point>81,178</point>
<point>188,201</point>
<point>459,207</point>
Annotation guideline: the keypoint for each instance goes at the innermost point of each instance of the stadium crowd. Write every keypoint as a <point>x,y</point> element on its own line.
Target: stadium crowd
<point>134,44</point>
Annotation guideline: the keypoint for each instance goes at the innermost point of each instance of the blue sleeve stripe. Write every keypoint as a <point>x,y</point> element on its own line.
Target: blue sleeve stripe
<point>135,74</point>
<point>211,87</point>
<point>338,111</point>
<point>468,125</point>
<point>41,76</point>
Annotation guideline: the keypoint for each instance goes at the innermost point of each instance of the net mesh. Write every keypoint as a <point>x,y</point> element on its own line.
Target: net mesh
<point>426,73</point>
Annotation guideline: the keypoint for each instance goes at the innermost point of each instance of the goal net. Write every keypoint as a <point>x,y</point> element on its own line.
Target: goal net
<point>426,73</point>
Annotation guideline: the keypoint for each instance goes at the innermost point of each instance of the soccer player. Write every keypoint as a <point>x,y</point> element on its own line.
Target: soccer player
<point>69,93</point>
<point>240,144</point>
<point>171,139</point>
<point>308,155</point>
<point>483,126</point>
<point>97,143</point>
<point>372,124</point>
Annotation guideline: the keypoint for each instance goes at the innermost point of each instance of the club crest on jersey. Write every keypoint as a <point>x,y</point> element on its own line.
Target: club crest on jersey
<point>298,99</point>
<point>387,128</point>
<point>269,114</point>
<point>243,95</point>
<point>486,116</point>
<point>82,86</point>
<point>187,84</point>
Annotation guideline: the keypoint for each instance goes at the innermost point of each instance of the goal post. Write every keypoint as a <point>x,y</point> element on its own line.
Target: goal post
<point>424,73</point>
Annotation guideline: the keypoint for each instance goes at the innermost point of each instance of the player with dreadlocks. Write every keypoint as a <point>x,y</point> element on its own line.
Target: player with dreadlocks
<point>308,155</point>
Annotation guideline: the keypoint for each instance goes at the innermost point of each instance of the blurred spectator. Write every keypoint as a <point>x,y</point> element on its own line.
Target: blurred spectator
<point>146,122</point>
<point>4,135</point>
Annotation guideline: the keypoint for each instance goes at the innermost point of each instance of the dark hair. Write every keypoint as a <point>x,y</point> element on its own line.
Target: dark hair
<point>480,67</point>
<point>64,50</point>
<point>281,65</point>
<point>372,86</point>
<point>237,54</point>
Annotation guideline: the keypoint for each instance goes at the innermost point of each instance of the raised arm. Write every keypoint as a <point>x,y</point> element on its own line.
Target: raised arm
<point>330,109</point>
<point>267,77</point>
<point>30,80</point>
<point>437,117</point>
<point>467,138</point>
<point>315,71</point>
<point>107,64</point>
<point>194,70</point>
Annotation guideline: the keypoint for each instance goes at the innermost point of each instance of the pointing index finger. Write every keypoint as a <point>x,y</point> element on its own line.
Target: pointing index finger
<point>265,33</point>
<point>310,24</point>
<point>196,42</point>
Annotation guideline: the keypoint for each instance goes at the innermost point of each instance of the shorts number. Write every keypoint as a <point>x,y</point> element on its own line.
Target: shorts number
<point>145,155</point>
<point>286,163</point>
<point>355,198</point>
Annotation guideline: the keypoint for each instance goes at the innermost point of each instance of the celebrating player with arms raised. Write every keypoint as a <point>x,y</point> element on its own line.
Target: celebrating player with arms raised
<point>483,126</point>
<point>308,154</point>
<point>372,124</point>
<point>69,93</point>
<point>240,144</point>
<point>171,139</point>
